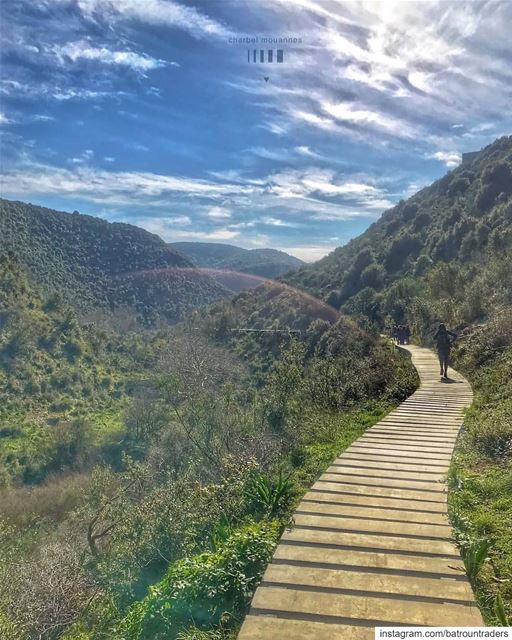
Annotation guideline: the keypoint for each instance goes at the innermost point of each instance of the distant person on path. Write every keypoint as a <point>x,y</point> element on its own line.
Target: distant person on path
<point>407,334</point>
<point>444,340</point>
<point>395,333</point>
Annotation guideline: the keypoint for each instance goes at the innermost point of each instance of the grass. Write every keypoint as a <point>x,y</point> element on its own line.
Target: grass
<point>481,511</point>
<point>330,435</point>
<point>480,499</point>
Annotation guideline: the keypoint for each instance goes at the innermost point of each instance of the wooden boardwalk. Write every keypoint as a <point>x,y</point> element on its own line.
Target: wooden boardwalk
<point>371,542</point>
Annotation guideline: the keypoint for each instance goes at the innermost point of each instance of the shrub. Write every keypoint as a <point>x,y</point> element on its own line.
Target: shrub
<point>401,248</point>
<point>373,276</point>
<point>200,590</point>
<point>268,495</point>
<point>409,211</point>
<point>423,264</point>
<point>458,186</point>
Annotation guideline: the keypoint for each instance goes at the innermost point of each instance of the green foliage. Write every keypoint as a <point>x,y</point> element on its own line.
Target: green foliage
<point>463,220</point>
<point>94,264</point>
<point>8,630</point>
<point>499,611</point>
<point>490,431</point>
<point>199,634</point>
<point>474,555</point>
<point>270,496</point>
<point>63,385</point>
<point>482,499</point>
<point>201,589</point>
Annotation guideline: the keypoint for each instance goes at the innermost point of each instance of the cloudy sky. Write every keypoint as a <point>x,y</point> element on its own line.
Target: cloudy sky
<point>146,111</point>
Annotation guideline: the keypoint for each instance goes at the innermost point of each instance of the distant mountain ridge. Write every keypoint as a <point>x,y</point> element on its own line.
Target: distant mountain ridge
<point>93,263</point>
<point>267,263</point>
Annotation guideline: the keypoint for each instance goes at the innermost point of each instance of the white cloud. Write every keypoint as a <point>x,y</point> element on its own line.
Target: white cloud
<point>361,59</point>
<point>85,157</point>
<point>209,236</point>
<point>63,95</point>
<point>136,146</point>
<point>219,213</point>
<point>276,222</point>
<point>313,182</point>
<point>166,13</point>
<point>450,158</point>
<point>42,117</point>
<point>306,151</point>
<point>83,50</point>
<point>280,155</point>
<point>99,185</point>
<point>4,119</point>
<point>179,220</point>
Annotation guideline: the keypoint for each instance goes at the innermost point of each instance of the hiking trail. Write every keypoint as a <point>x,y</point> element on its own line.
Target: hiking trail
<point>371,544</point>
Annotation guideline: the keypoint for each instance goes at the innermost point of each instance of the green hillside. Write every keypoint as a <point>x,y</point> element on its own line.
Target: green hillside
<point>267,263</point>
<point>145,467</point>
<point>96,264</point>
<point>450,241</point>
<point>63,385</point>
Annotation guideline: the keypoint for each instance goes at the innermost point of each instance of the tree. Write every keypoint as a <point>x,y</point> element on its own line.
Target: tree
<point>145,417</point>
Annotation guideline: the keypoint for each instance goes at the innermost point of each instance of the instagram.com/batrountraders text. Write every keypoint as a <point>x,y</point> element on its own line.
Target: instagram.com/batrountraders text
<point>465,633</point>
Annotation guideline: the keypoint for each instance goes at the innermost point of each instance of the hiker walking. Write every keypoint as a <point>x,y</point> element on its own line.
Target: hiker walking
<point>444,340</point>
<point>395,333</point>
<point>407,334</point>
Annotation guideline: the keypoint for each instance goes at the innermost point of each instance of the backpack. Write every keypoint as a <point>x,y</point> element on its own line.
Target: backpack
<point>443,340</point>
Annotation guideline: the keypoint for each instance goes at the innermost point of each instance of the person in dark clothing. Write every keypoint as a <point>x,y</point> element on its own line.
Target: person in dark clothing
<point>395,333</point>
<point>407,334</point>
<point>444,340</point>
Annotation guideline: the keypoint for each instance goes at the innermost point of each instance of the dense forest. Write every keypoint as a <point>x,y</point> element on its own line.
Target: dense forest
<point>94,264</point>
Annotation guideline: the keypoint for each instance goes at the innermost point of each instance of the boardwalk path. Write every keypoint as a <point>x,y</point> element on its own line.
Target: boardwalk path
<point>371,543</point>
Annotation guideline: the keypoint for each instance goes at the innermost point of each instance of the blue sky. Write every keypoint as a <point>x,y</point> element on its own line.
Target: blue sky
<point>145,111</point>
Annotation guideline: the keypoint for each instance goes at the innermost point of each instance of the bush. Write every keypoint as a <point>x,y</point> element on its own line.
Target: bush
<point>200,590</point>
<point>270,496</point>
<point>400,249</point>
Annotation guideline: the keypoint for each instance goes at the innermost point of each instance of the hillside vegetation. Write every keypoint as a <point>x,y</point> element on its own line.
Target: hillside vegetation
<point>267,263</point>
<point>92,263</point>
<point>63,385</point>
<point>445,252</point>
<point>148,474</point>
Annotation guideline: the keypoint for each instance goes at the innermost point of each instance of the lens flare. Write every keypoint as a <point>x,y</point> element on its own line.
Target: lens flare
<point>240,281</point>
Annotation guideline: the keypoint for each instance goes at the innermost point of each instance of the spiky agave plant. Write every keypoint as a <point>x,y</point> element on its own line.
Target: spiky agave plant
<point>271,496</point>
<point>474,556</point>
